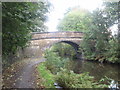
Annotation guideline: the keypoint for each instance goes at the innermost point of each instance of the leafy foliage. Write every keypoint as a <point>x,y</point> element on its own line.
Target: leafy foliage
<point>58,55</point>
<point>19,19</point>
<point>75,20</point>
<point>65,77</point>
<point>113,52</point>
<point>68,79</point>
<point>97,44</point>
<point>54,62</point>
<point>64,50</point>
<point>46,76</point>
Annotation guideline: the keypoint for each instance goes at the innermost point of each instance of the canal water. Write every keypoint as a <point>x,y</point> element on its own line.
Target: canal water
<point>96,69</point>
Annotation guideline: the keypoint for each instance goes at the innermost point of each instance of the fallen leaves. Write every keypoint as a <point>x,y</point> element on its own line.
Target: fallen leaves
<point>12,74</point>
<point>9,75</point>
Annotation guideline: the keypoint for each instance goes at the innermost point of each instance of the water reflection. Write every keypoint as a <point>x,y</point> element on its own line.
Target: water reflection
<point>98,70</point>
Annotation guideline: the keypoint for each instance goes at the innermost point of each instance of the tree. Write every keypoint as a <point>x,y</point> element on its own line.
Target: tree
<point>18,21</point>
<point>76,19</point>
<point>99,35</point>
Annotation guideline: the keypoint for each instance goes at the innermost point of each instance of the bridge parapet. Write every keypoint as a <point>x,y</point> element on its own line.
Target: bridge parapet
<point>47,35</point>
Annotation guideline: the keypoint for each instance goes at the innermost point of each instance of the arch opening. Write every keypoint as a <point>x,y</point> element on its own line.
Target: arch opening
<point>73,44</point>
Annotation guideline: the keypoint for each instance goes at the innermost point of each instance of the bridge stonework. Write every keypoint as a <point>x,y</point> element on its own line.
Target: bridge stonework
<point>41,41</point>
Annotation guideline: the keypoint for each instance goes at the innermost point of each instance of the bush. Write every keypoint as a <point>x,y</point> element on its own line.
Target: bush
<point>68,79</point>
<point>54,62</point>
<point>47,79</point>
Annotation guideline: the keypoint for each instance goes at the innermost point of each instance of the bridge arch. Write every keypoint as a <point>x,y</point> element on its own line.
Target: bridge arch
<point>73,44</point>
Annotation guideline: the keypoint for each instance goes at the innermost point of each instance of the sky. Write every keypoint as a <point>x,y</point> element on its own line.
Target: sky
<point>59,7</point>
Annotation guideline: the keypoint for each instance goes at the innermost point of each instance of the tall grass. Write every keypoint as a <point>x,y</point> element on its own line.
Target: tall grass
<point>47,79</point>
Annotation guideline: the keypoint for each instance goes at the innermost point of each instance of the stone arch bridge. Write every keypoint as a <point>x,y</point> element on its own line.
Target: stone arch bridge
<point>41,41</point>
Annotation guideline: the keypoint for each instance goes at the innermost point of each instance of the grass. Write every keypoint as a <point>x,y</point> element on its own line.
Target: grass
<point>47,78</point>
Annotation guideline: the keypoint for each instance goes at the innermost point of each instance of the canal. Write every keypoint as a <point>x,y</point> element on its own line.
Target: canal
<point>96,69</point>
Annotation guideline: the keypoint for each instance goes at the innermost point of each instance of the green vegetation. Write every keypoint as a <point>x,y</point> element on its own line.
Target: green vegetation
<point>98,43</point>
<point>62,50</point>
<point>69,79</point>
<point>57,67</point>
<point>75,20</point>
<point>54,62</point>
<point>19,19</point>
<point>113,52</point>
<point>58,56</point>
<point>47,79</point>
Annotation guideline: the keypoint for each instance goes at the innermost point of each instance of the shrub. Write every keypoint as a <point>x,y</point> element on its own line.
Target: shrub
<point>54,62</point>
<point>47,79</point>
<point>68,79</point>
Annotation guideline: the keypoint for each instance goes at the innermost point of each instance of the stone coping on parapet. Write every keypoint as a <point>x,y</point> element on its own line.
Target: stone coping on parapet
<point>57,32</point>
<point>55,38</point>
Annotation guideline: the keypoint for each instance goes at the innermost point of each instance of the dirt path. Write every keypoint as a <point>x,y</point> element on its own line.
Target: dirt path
<point>25,77</point>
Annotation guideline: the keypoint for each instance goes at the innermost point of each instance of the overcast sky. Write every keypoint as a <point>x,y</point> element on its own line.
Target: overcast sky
<point>60,7</point>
